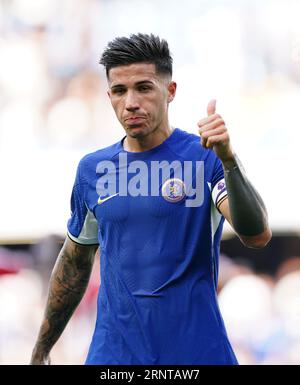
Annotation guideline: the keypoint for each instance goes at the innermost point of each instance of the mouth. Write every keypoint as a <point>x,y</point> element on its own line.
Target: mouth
<point>135,120</point>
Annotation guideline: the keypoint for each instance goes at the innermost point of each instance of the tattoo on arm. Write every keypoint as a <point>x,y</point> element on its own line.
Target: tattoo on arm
<point>68,283</point>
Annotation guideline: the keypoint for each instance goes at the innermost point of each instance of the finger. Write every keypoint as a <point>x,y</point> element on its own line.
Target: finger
<point>212,133</point>
<point>208,119</point>
<point>211,126</point>
<point>211,107</point>
<point>220,130</point>
<point>217,139</point>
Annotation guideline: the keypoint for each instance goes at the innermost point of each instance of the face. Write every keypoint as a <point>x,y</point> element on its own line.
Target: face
<point>140,98</point>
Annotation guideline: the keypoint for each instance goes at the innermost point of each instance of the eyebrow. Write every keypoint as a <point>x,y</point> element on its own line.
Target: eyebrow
<point>144,81</point>
<point>136,84</point>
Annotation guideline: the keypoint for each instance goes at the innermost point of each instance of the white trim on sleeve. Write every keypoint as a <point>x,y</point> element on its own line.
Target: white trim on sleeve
<point>89,231</point>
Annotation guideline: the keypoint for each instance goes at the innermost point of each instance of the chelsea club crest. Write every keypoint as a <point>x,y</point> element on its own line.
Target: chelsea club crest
<point>173,190</point>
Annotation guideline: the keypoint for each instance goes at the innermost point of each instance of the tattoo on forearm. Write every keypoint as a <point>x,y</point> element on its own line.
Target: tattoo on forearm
<point>68,283</point>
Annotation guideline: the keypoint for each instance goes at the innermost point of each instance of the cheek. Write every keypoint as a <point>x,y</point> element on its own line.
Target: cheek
<point>117,106</point>
<point>161,107</point>
<point>158,105</point>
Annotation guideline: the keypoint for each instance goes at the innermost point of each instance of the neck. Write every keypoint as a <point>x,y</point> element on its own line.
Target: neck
<point>147,142</point>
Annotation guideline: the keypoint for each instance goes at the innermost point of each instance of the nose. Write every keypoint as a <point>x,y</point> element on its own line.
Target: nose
<point>131,102</point>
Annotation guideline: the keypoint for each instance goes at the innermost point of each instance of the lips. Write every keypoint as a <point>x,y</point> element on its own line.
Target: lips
<point>134,119</point>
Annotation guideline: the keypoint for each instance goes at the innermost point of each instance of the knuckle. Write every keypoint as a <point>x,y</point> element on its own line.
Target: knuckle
<point>201,122</point>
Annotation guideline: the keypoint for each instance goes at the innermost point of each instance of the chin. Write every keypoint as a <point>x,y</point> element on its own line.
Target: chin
<point>136,132</point>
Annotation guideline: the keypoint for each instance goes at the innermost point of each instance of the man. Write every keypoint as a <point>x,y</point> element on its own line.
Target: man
<point>159,246</point>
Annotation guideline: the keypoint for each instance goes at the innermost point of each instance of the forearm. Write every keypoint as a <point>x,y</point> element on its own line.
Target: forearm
<point>247,210</point>
<point>68,283</point>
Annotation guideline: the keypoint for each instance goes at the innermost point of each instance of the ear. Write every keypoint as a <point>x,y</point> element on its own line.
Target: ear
<point>108,93</point>
<point>171,91</point>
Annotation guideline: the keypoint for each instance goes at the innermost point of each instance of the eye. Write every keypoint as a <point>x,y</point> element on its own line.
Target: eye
<point>118,91</point>
<point>144,88</point>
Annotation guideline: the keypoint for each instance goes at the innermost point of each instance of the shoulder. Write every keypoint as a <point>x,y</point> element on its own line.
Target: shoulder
<point>88,164</point>
<point>104,154</point>
<point>188,146</point>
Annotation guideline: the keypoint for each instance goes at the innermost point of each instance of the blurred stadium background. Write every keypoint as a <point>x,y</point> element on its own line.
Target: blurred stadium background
<point>54,109</point>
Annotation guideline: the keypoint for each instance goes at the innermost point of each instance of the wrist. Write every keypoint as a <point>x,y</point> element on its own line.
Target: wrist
<point>40,351</point>
<point>230,162</point>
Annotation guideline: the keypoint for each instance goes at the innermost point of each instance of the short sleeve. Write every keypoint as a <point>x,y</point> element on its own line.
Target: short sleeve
<point>218,185</point>
<point>82,225</point>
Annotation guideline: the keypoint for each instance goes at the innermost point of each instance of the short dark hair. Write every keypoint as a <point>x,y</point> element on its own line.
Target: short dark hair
<point>138,48</point>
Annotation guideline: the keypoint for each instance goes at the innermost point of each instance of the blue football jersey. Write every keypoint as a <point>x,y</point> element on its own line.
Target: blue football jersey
<point>157,301</point>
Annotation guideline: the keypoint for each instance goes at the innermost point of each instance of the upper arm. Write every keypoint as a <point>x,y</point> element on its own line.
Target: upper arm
<point>79,251</point>
<point>82,225</point>
<point>74,259</point>
<point>73,267</point>
<point>257,241</point>
<point>223,207</point>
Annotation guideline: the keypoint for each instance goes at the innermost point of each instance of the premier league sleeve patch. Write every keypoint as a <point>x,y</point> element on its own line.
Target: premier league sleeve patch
<point>219,192</point>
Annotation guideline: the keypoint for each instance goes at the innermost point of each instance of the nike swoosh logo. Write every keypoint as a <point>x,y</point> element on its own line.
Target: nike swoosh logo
<point>100,201</point>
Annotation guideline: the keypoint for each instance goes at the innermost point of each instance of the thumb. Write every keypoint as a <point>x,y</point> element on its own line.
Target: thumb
<point>211,107</point>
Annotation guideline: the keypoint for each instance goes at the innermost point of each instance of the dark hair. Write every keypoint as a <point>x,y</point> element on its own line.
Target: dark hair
<point>138,48</point>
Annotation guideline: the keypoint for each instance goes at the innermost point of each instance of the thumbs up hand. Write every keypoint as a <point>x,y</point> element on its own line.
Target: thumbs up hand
<point>214,134</point>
